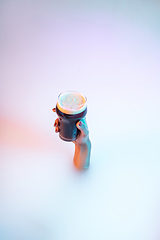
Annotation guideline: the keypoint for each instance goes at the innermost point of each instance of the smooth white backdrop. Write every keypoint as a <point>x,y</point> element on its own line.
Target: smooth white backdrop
<point>109,51</point>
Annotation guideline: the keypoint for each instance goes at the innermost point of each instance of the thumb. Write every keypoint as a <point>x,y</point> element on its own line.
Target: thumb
<point>82,127</point>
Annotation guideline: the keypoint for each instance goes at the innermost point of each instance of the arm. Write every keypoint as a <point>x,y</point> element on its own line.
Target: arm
<point>82,144</point>
<point>82,147</point>
<point>82,155</point>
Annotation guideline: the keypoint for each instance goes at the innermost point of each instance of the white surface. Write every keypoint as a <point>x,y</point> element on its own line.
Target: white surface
<point>111,53</point>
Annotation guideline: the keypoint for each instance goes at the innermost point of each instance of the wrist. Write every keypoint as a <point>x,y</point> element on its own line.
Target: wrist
<point>82,154</point>
<point>87,144</point>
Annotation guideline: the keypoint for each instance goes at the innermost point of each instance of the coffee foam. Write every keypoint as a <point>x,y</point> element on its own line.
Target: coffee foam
<point>71,102</point>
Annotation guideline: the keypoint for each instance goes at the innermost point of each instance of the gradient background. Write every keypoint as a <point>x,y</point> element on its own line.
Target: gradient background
<point>109,51</point>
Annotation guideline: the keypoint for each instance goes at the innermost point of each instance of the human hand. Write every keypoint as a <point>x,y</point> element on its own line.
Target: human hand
<point>82,146</point>
<point>83,137</point>
<point>82,143</point>
<point>56,123</point>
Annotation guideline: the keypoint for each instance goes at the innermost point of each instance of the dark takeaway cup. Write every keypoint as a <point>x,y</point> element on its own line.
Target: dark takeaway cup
<point>71,107</point>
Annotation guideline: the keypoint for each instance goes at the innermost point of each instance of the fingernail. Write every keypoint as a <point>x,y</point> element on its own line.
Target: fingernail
<point>80,123</point>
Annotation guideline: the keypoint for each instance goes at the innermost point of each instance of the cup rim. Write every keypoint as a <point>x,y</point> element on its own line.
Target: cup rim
<point>71,111</point>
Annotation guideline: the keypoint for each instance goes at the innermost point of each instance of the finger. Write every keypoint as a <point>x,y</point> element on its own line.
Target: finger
<point>56,123</point>
<point>57,129</point>
<point>85,122</point>
<point>54,109</point>
<point>83,128</point>
<point>75,142</point>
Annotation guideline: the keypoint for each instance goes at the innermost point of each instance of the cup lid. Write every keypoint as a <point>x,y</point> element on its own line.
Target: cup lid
<point>71,102</point>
